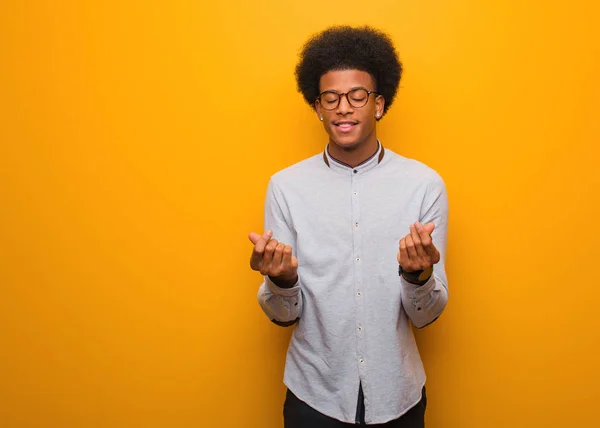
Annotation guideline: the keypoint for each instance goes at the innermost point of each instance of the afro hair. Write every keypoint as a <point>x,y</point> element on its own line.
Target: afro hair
<point>349,48</point>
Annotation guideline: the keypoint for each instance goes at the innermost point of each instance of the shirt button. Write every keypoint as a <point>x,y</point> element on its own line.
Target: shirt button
<point>362,361</point>
<point>358,259</point>
<point>355,193</point>
<point>360,328</point>
<point>358,294</point>
<point>355,171</point>
<point>356,223</point>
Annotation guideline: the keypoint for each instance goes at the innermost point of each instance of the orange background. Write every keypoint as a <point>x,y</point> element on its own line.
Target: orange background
<point>136,141</point>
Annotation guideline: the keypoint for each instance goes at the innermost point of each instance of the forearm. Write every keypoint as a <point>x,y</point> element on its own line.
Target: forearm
<point>424,303</point>
<point>282,305</point>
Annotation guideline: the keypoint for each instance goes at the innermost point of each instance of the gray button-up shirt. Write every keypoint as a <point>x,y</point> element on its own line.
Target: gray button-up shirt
<point>353,310</point>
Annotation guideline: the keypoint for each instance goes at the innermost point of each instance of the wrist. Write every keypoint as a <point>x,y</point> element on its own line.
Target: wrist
<point>418,277</point>
<point>284,282</point>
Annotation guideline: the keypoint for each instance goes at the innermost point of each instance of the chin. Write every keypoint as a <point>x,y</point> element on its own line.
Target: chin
<point>345,143</point>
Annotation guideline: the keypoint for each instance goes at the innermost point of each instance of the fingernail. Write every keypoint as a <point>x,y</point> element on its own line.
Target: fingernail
<point>419,225</point>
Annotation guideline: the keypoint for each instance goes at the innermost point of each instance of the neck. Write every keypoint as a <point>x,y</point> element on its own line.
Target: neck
<point>354,155</point>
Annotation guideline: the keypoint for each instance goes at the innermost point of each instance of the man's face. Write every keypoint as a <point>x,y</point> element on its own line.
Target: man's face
<point>347,124</point>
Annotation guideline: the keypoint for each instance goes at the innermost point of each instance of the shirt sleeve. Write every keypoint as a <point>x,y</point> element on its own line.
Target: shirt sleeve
<point>283,306</point>
<point>425,303</point>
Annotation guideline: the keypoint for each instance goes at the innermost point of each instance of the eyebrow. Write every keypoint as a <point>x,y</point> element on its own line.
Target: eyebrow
<point>351,89</point>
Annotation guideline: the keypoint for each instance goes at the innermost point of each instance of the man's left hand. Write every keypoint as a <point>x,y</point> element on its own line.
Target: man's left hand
<point>417,251</point>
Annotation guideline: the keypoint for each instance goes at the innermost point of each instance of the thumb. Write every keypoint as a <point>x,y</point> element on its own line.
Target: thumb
<point>255,237</point>
<point>429,227</point>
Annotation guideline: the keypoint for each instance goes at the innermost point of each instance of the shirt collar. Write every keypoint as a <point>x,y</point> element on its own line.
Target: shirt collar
<point>364,166</point>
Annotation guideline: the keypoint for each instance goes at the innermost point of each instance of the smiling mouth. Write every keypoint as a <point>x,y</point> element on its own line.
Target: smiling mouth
<point>345,126</point>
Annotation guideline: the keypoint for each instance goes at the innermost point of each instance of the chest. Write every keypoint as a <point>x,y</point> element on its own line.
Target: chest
<point>350,218</point>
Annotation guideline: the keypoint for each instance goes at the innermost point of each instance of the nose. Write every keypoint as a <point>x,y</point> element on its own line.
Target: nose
<point>344,106</point>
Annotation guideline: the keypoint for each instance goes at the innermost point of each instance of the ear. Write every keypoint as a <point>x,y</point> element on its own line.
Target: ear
<point>379,106</point>
<point>318,109</point>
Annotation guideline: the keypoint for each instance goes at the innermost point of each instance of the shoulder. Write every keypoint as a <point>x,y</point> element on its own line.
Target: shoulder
<point>414,169</point>
<point>299,171</point>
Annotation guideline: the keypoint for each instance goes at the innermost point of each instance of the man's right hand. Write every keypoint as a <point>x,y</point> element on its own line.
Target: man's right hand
<point>274,259</point>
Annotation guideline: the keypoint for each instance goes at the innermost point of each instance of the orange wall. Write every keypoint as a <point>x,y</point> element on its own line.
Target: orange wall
<point>136,141</point>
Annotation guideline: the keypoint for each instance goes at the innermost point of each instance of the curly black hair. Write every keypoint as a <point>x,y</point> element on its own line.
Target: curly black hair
<point>349,48</point>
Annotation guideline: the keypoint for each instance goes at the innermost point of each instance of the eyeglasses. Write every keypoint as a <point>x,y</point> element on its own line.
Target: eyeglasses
<point>357,98</point>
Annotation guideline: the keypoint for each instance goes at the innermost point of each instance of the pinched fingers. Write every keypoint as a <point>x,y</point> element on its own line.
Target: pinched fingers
<point>418,245</point>
<point>427,243</point>
<point>276,262</point>
<point>260,242</point>
<point>268,256</point>
<point>289,262</point>
<point>417,251</point>
<point>256,260</point>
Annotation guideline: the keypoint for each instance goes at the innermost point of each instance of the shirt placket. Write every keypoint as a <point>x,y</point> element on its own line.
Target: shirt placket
<point>359,291</point>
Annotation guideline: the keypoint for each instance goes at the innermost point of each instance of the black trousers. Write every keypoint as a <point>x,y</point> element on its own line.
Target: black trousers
<point>298,414</point>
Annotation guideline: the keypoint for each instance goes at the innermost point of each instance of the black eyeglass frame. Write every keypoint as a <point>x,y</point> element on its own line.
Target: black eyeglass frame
<point>345,94</point>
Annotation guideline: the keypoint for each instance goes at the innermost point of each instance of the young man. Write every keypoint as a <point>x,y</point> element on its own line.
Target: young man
<point>354,248</point>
